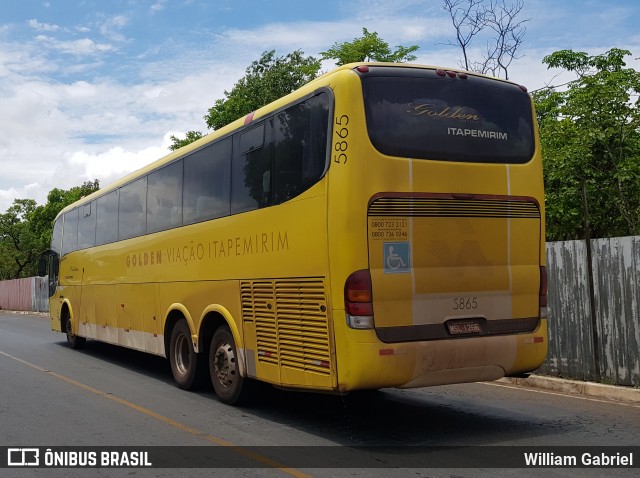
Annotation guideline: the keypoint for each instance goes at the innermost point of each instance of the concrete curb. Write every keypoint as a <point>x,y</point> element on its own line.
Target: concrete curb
<point>575,387</point>
<point>25,312</point>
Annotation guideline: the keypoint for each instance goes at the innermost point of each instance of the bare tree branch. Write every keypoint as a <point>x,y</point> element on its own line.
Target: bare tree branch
<point>468,21</point>
<point>471,17</point>
<point>509,33</point>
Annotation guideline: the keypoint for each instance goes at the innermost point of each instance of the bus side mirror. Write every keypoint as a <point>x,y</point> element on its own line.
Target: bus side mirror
<point>43,262</point>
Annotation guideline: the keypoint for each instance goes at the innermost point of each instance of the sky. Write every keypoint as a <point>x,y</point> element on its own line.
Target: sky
<point>94,89</point>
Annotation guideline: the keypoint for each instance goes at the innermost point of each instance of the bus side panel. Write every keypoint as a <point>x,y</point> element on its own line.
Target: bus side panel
<point>55,306</point>
<point>151,319</point>
<point>129,315</point>
<point>285,309</point>
<point>349,188</point>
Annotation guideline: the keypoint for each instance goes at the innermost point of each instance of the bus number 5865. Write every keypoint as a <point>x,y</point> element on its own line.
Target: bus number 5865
<point>465,303</point>
<point>340,147</point>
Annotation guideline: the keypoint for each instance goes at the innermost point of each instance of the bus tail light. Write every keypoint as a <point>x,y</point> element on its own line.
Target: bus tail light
<point>543,292</point>
<point>358,300</point>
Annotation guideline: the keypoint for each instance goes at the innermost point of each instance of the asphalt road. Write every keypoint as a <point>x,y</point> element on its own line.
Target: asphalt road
<point>106,396</point>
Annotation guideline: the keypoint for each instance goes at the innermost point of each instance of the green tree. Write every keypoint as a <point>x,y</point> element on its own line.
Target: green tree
<point>25,229</point>
<point>266,80</point>
<point>590,135</point>
<point>368,47</point>
<point>19,241</point>
<point>178,143</point>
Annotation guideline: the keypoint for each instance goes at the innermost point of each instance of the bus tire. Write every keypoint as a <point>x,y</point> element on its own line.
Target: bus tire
<point>227,382</point>
<point>187,366</point>
<point>73,341</point>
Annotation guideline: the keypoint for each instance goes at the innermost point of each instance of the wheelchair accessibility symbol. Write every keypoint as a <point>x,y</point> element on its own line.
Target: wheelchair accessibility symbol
<point>396,258</point>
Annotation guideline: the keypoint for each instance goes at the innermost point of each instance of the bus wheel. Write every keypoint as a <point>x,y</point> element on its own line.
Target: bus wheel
<point>186,364</point>
<point>73,340</point>
<point>227,382</point>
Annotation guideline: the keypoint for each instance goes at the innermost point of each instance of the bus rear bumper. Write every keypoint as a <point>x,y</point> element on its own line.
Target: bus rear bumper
<point>457,375</point>
<point>371,364</point>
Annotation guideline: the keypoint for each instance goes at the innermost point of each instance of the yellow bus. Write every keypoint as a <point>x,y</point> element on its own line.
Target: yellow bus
<point>382,226</point>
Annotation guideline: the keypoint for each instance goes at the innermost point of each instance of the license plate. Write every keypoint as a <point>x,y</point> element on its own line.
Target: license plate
<point>464,327</point>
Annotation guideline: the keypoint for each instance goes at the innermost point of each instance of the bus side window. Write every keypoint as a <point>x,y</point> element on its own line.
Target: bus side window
<point>207,178</point>
<point>107,218</point>
<point>300,138</point>
<point>251,168</point>
<point>164,198</point>
<point>87,226</point>
<point>70,232</point>
<point>56,239</point>
<point>132,207</point>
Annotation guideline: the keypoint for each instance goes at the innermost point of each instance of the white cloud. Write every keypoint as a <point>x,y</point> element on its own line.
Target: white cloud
<point>43,27</point>
<point>68,169</point>
<point>313,37</point>
<point>7,196</point>
<point>111,27</point>
<point>280,36</point>
<point>61,135</point>
<point>82,46</point>
<point>158,6</point>
<point>20,61</point>
<point>111,164</point>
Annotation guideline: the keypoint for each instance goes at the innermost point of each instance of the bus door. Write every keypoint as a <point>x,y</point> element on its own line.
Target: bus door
<point>49,265</point>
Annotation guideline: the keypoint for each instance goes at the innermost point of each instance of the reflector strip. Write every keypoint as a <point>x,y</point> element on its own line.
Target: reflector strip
<point>534,340</point>
<point>387,351</point>
<point>320,363</point>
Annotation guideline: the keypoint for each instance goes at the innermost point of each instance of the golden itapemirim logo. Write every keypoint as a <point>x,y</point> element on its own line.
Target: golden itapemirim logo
<point>191,252</point>
<point>432,111</point>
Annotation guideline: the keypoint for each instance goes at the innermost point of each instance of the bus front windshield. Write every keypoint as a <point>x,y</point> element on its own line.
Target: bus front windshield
<point>425,115</point>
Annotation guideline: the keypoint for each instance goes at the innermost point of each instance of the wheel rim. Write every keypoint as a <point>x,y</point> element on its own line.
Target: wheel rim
<point>181,352</point>
<point>224,364</point>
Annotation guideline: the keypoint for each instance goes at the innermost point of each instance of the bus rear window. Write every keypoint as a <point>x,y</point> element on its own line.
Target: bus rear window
<point>416,113</point>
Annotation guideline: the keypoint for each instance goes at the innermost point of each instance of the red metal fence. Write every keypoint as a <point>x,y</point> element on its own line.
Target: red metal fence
<point>28,294</point>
